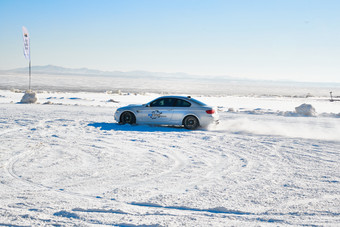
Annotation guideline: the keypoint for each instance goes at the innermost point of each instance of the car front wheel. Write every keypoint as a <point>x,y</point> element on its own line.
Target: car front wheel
<point>191,123</point>
<point>127,118</point>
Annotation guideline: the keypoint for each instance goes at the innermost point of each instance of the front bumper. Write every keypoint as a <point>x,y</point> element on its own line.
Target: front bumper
<point>117,116</point>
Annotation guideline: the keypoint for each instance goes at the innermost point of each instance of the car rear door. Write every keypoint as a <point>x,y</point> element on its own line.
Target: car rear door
<point>181,108</point>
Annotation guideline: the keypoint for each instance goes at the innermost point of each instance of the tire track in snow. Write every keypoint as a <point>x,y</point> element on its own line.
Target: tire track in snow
<point>180,164</point>
<point>184,211</point>
<point>15,160</point>
<point>10,169</point>
<point>318,183</point>
<point>178,167</point>
<point>171,210</point>
<point>10,165</point>
<point>167,160</point>
<point>29,152</point>
<point>29,148</point>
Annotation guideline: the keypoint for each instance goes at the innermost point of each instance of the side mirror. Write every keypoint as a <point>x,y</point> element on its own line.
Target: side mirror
<point>147,105</point>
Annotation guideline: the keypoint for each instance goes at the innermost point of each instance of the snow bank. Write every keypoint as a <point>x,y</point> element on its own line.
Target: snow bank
<point>303,110</point>
<point>29,97</point>
<point>306,110</point>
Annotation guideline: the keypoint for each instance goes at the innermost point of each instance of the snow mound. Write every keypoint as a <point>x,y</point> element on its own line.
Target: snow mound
<point>306,110</point>
<point>29,97</point>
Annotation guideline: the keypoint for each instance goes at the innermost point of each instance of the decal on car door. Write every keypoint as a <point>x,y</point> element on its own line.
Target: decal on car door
<point>156,114</point>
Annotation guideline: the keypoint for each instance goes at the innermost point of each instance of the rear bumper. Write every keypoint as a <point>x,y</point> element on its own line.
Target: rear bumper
<point>209,120</point>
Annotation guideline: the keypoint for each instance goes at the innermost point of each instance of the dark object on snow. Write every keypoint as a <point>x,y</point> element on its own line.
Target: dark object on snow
<point>111,100</point>
<point>333,100</point>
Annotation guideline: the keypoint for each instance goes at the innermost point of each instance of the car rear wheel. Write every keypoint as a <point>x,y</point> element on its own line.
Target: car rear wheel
<point>127,118</point>
<point>191,123</point>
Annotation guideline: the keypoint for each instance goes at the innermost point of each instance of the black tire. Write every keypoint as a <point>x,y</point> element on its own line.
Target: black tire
<point>127,118</point>
<point>191,122</point>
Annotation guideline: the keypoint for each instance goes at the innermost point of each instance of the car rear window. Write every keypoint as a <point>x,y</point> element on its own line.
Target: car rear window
<point>198,102</point>
<point>182,103</point>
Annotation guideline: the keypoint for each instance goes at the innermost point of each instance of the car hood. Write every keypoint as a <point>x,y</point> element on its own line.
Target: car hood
<point>134,105</point>
<point>131,106</point>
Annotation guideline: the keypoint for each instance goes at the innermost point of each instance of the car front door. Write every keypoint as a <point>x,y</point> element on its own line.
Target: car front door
<point>158,111</point>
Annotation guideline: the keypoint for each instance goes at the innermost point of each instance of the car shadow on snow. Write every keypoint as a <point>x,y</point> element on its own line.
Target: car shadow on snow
<point>138,128</point>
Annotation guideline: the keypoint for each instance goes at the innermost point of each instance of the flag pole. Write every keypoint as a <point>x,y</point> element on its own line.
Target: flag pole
<point>29,83</point>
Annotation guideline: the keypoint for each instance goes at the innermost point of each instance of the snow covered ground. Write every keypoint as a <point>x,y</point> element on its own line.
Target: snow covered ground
<point>65,161</point>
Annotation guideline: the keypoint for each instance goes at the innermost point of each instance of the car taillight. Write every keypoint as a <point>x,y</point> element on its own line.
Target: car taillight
<point>210,111</point>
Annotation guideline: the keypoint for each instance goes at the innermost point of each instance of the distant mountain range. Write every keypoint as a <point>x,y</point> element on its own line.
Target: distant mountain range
<point>52,69</point>
<point>58,70</point>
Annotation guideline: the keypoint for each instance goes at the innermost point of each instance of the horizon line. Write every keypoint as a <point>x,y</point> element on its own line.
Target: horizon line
<point>226,77</point>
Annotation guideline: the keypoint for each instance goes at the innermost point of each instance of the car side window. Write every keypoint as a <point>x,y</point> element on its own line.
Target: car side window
<point>182,103</point>
<point>164,102</point>
<point>157,102</point>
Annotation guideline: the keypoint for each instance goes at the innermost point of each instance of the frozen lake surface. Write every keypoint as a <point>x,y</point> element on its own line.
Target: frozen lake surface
<point>65,161</point>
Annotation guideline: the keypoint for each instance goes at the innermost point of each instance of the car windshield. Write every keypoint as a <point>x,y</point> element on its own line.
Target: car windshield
<point>198,102</point>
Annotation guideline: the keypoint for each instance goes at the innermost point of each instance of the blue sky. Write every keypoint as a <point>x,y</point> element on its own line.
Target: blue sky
<point>257,39</point>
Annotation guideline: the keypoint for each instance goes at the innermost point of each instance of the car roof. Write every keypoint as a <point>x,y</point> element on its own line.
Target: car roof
<point>176,96</point>
<point>188,98</point>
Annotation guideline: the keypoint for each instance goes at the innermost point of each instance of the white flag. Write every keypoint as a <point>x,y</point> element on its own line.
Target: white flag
<point>26,37</point>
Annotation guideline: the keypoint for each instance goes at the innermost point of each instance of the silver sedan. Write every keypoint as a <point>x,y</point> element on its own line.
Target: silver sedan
<point>169,110</point>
